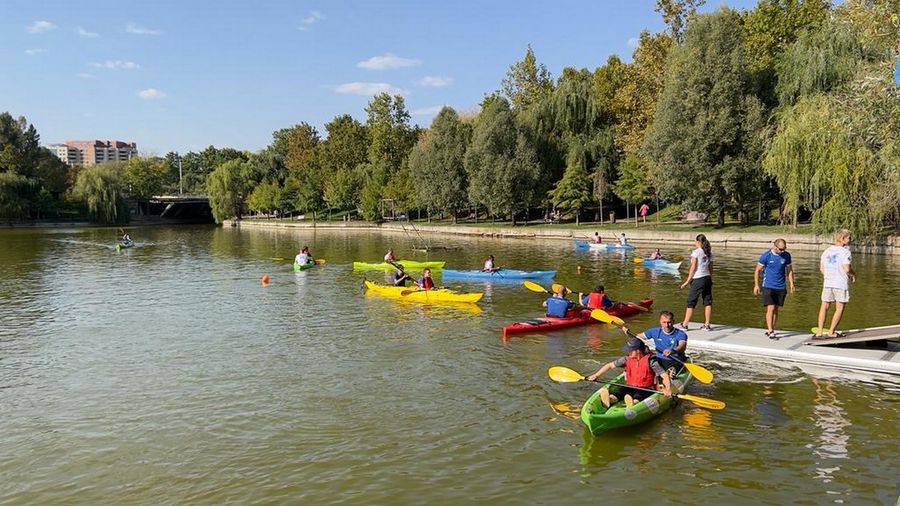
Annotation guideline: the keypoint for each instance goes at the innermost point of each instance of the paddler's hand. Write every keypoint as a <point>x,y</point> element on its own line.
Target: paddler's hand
<point>592,377</point>
<point>625,328</point>
<point>667,352</point>
<point>667,392</point>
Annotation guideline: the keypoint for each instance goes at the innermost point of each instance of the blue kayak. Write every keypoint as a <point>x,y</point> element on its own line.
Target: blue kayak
<point>660,264</point>
<point>500,274</point>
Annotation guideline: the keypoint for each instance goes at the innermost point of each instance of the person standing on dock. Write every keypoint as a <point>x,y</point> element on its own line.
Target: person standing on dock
<point>700,278</point>
<point>777,279</point>
<point>837,273</point>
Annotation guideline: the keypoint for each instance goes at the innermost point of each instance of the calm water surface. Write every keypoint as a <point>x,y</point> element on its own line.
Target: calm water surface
<point>167,374</point>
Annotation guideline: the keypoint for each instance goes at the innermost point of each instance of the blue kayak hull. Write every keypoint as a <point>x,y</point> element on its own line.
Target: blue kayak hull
<point>501,274</point>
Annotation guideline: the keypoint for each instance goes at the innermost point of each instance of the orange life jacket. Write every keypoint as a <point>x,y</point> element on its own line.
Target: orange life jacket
<point>427,283</point>
<point>595,300</point>
<point>638,372</point>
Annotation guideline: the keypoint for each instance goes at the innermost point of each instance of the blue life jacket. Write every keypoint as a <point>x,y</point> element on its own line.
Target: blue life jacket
<point>557,307</point>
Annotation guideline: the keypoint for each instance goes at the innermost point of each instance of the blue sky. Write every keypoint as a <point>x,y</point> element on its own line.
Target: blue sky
<point>181,75</point>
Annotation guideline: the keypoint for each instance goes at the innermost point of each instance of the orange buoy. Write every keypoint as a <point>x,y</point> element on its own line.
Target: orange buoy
<point>265,279</point>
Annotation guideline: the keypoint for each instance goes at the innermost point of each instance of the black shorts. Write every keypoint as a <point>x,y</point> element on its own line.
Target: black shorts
<point>773,296</point>
<point>700,286</point>
<point>637,395</point>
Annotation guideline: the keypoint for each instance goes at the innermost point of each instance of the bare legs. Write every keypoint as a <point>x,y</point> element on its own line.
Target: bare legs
<point>689,312</point>
<point>771,317</point>
<point>835,320</point>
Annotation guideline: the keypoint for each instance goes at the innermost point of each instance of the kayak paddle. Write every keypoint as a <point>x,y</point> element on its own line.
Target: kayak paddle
<point>566,375</point>
<point>534,287</point>
<point>639,307</point>
<point>702,374</point>
<point>638,260</point>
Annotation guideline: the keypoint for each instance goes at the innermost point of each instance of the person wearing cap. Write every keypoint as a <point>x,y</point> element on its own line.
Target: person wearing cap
<point>668,341</point>
<point>558,305</point>
<point>777,278</point>
<point>641,371</point>
<point>400,277</point>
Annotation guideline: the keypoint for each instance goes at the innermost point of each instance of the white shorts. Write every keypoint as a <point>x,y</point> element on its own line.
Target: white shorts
<point>835,295</point>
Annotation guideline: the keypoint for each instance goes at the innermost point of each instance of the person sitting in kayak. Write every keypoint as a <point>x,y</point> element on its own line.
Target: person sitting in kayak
<point>303,257</point>
<point>489,264</point>
<point>400,277</point>
<point>389,256</point>
<point>596,299</point>
<point>641,371</point>
<point>426,283</point>
<point>622,240</point>
<point>669,342</point>
<point>558,305</point>
<point>126,239</point>
<point>597,238</point>
<point>656,255</point>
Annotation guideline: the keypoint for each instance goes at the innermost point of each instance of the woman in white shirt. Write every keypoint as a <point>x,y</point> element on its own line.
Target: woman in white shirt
<point>700,278</point>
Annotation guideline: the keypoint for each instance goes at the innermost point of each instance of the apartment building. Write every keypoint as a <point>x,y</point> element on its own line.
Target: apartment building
<point>87,153</point>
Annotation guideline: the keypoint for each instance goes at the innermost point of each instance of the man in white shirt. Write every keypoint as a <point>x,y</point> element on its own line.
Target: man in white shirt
<point>837,273</point>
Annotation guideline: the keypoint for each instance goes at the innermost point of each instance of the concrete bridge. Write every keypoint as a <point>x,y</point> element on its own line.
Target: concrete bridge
<point>182,208</point>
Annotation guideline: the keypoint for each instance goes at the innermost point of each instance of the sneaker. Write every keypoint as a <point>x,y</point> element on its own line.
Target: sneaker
<point>705,327</point>
<point>772,335</point>
<point>682,326</point>
<point>604,397</point>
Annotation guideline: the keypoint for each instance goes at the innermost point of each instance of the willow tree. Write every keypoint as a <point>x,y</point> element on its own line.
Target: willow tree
<point>100,188</point>
<point>228,187</point>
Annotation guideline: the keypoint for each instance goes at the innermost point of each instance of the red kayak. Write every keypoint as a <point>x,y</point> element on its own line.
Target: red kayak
<point>576,317</point>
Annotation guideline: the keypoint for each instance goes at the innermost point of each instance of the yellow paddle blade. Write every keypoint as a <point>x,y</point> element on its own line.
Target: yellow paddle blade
<point>404,293</point>
<point>677,258</point>
<point>638,260</point>
<point>534,287</point>
<point>564,374</point>
<point>702,374</point>
<point>320,260</point>
<point>703,402</point>
<point>279,259</point>
<point>603,316</point>
<point>557,286</point>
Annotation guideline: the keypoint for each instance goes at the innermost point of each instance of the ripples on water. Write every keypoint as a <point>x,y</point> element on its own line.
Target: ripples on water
<point>169,374</point>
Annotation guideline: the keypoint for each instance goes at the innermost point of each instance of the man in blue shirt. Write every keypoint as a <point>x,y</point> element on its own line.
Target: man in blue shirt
<point>668,341</point>
<point>778,276</point>
<point>558,305</point>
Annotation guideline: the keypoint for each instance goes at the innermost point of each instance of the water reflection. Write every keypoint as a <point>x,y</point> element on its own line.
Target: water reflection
<point>831,419</point>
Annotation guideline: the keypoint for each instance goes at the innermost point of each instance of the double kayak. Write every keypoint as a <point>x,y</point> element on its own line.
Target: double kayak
<point>414,294</point>
<point>660,264</point>
<point>600,419</point>
<point>303,267</point>
<point>601,246</point>
<point>498,274</point>
<point>576,318</point>
<point>407,265</point>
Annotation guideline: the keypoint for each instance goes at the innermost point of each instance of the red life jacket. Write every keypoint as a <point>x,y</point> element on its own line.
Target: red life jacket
<point>595,300</point>
<point>638,372</point>
<point>427,283</point>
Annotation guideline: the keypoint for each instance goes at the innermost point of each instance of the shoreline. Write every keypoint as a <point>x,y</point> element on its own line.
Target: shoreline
<point>638,236</point>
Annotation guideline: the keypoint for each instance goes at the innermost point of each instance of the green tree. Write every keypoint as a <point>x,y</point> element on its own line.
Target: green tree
<point>526,81</point>
<point>266,197</point>
<point>145,177</point>
<point>437,164</point>
<point>704,138</point>
<point>633,184</point>
<point>573,191</point>
<point>228,186</point>
<point>14,192</point>
<point>390,140</point>
<point>676,13</point>
<point>501,163</point>
<point>101,189</point>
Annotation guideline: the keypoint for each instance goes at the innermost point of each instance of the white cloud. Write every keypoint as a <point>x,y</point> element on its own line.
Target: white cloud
<point>435,81</point>
<point>34,51</point>
<point>633,42</point>
<point>85,33</point>
<point>427,111</point>
<point>140,30</point>
<point>85,75</point>
<point>151,94</point>
<point>313,18</point>
<point>367,89</point>
<point>116,65</point>
<point>40,27</point>
<point>387,61</point>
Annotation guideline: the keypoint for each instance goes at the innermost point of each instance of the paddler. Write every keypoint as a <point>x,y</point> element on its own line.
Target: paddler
<point>641,371</point>
<point>656,255</point>
<point>558,305</point>
<point>303,257</point>
<point>426,283</point>
<point>597,238</point>
<point>126,238</point>
<point>389,256</point>
<point>596,299</point>
<point>400,277</point>
<point>489,264</point>
<point>669,342</point>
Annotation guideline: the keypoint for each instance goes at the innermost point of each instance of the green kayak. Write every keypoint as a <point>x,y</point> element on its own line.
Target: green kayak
<point>600,419</point>
<point>124,245</point>
<point>303,267</point>
<point>407,264</point>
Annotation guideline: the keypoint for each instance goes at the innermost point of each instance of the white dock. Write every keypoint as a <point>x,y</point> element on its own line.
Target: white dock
<point>791,347</point>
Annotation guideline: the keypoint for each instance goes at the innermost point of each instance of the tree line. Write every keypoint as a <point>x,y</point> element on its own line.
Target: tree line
<point>789,106</point>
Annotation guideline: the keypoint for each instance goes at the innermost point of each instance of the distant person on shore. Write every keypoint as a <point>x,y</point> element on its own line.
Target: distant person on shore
<point>700,278</point>
<point>426,283</point>
<point>777,279</point>
<point>837,275</point>
<point>400,277</point>
<point>668,341</point>
<point>489,265</point>
<point>596,299</point>
<point>641,371</point>
<point>623,241</point>
<point>597,238</point>
<point>644,209</point>
<point>656,255</point>
<point>389,256</point>
<point>558,305</point>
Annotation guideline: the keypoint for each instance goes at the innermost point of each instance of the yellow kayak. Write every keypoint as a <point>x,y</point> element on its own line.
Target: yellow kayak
<point>414,294</point>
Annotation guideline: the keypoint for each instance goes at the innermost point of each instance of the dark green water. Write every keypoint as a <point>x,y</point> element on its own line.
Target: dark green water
<point>168,374</point>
